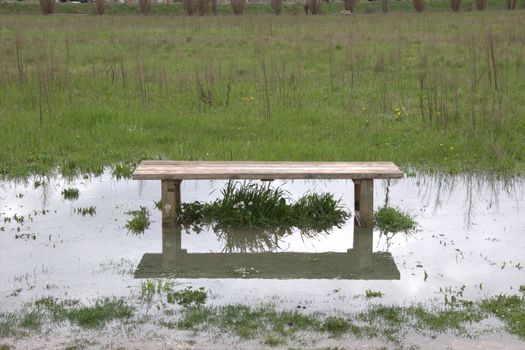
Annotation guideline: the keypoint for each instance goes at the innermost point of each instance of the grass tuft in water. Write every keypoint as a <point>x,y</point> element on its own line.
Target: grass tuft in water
<point>70,194</point>
<point>272,340</point>
<point>255,206</point>
<point>369,294</point>
<point>188,297</point>
<point>122,171</point>
<point>104,310</point>
<point>151,287</point>
<point>139,221</point>
<point>336,326</point>
<point>393,220</point>
<point>91,211</point>
<point>510,309</point>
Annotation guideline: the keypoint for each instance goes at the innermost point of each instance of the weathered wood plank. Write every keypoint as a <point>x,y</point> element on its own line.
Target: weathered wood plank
<point>217,170</point>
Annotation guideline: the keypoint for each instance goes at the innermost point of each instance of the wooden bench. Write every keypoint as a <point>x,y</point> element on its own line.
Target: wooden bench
<point>171,173</point>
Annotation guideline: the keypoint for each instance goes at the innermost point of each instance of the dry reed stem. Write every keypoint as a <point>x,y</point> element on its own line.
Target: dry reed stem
<point>238,6</point>
<point>145,7</point>
<point>47,6</point>
<point>277,6</point>
<point>314,6</point>
<point>455,5</point>
<point>384,6</point>
<point>100,7</point>
<point>481,5</point>
<point>419,5</point>
<point>349,5</point>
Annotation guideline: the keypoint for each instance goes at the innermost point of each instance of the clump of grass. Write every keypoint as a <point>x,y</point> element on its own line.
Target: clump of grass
<point>443,320</point>
<point>139,221</point>
<point>393,220</point>
<point>336,326</point>
<point>47,6</point>
<point>151,287</point>
<point>272,340</point>
<point>369,294</point>
<point>238,6</point>
<point>122,171</point>
<point>5,347</point>
<point>510,309</point>
<point>188,297</point>
<point>259,206</point>
<point>31,320</point>
<point>104,310</point>
<point>70,194</point>
<point>91,211</point>
<point>247,322</point>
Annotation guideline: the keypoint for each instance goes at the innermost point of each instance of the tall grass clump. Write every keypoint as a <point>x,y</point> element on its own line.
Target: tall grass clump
<point>349,5</point>
<point>455,5</point>
<point>259,206</point>
<point>511,4</point>
<point>277,6</point>
<point>238,6</point>
<point>47,6</point>
<point>419,5</point>
<point>393,220</point>
<point>145,7</point>
<point>100,7</point>
<point>481,5</point>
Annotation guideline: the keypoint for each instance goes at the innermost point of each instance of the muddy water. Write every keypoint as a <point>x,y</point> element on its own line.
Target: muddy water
<point>470,242</point>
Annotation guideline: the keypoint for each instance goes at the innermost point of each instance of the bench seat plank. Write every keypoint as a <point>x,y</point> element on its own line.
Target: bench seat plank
<point>251,170</point>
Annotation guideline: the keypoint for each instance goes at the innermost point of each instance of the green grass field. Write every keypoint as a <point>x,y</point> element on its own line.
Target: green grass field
<point>437,91</point>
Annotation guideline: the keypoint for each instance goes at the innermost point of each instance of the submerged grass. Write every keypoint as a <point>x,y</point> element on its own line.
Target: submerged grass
<point>256,206</point>
<point>424,91</point>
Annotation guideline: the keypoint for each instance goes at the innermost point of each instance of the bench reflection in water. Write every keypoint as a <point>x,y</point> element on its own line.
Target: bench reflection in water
<point>360,262</point>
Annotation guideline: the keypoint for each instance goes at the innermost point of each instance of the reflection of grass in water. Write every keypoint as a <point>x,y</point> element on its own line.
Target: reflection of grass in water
<point>70,194</point>
<point>393,220</point>
<point>139,221</point>
<point>254,216</point>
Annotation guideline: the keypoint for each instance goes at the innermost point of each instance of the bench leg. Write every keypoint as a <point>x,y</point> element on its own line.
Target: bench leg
<point>170,200</point>
<point>364,202</point>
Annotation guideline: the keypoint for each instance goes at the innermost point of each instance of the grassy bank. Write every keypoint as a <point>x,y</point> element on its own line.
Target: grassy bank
<point>434,91</point>
<point>293,8</point>
<point>266,323</point>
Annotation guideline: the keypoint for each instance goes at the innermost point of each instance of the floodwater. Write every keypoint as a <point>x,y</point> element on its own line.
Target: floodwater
<point>470,242</point>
